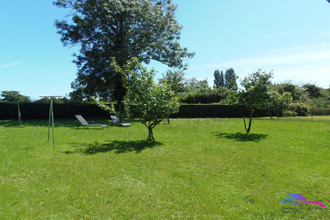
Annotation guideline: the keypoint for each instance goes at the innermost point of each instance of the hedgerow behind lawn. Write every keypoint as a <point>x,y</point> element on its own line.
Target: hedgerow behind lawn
<point>198,168</point>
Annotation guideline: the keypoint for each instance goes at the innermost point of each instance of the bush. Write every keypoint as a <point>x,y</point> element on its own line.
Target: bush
<point>299,108</point>
<point>289,114</point>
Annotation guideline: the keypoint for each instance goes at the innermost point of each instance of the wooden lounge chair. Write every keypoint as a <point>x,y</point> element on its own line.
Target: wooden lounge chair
<point>84,123</point>
<point>117,121</point>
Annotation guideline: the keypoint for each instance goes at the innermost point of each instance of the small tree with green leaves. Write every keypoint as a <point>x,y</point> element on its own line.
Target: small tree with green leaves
<point>255,93</point>
<point>145,99</point>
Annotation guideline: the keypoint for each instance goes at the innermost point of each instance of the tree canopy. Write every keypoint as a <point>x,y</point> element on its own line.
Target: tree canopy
<point>146,29</point>
<point>219,80</point>
<point>14,96</point>
<point>145,99</point>
<point>255,93</point>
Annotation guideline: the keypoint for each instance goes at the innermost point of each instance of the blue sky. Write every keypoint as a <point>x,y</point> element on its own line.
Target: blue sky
<point>292,38</point>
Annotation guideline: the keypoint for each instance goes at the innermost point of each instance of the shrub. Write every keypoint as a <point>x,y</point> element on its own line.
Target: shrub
<point>289,114</point>
<point>207,96</point>
<point>299,108</point>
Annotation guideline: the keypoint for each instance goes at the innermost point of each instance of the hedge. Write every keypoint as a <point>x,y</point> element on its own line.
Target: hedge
<point>67,111</point>
<point>41,111</point>
<point>215,111</point>
<point>320,111</point>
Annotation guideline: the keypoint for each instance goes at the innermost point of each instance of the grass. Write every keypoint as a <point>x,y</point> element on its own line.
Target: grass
<point>198,168</point>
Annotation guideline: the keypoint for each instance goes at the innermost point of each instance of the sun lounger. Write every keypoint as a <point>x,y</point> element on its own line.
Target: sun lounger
<point>84,123</point>
<point>117,121</point>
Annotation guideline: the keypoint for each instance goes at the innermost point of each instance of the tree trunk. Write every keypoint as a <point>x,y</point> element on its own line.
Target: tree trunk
<point>247,129</point>
<point>151,135</point>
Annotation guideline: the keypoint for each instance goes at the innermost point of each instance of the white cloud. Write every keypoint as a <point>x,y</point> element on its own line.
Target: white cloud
<point>307,63</point>
<point>10,65</point>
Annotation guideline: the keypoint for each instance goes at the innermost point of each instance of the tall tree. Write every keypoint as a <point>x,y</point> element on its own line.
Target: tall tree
<point>230,79</point>
<point>146,29</point>
<point>219,80</point>
<point>255,93</point>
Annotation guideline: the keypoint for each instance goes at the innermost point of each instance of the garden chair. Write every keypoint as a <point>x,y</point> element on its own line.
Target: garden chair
<point>117,121</point>
<point>84,123</point>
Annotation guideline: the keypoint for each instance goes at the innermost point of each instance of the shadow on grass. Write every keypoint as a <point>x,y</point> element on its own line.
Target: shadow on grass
<point>242,137</point>
<point>118,147</point>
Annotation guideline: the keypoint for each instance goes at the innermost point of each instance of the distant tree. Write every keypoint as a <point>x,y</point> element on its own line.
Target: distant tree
<point>14,96</point>
<point>295,91</point>
<point>255,93</point>
<point>219,80</point>
<point>175,79</point>
<point>42,100</point>
<point>312,90</point>
<point>104,29</point>
<point>63,100</point>
<point>193,85</point>
<point>230,79</point>
<point>145,99</point>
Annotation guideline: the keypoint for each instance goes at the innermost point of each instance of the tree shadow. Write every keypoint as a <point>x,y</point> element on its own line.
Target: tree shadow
<point>242,137</point>
<point>118,147</point>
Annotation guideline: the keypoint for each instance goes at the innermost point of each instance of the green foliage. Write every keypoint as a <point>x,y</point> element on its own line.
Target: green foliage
<point>175,79</point>
<point>14,97</point>
<point>255,93</point>
<point>219,80</point>
<point>312,90</point>
<point>146,29</point>
<point>299,108</point>
<point>192,85</point>
<point>278,103</point>
<point>108,107</point>
<point>230,79</point>
<point>41,111</point>
<point>208,95</point>
<point>63,100</point>
<point>214,111</point>
<point>289,114</point>
<point>296,92</point>
<point>255,90</point>
<point>320,111</point>
<point>227,80</point>
<point>145,99</point>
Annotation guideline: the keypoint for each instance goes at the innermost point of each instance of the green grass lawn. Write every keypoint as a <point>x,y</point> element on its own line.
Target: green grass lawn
<point>198,168</point>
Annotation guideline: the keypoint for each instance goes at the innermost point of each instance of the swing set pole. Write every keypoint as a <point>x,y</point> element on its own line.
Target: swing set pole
<point>19,114</point>
<point>51,117</point>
